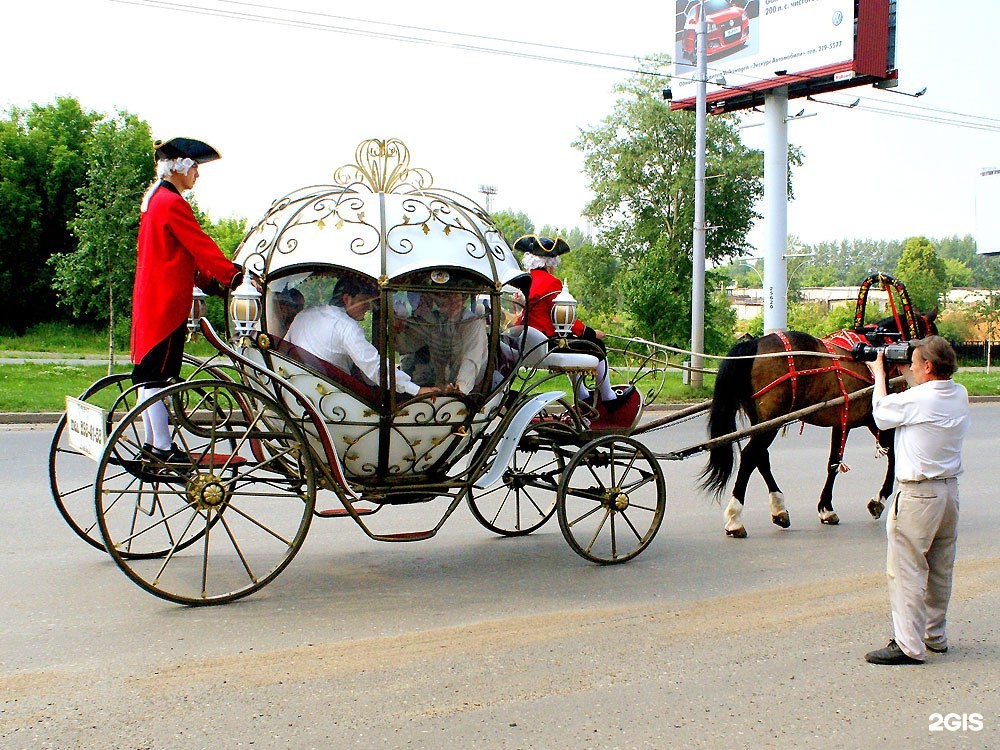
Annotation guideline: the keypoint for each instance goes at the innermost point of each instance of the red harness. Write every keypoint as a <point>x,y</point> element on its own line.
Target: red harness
<point>844,340</point>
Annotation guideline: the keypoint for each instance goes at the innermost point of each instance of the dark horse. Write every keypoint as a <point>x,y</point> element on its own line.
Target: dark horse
<point>743,384</point>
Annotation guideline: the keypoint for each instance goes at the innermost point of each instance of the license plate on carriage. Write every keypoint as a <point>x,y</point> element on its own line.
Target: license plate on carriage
<point>85,427</point>
<point>732,32</point>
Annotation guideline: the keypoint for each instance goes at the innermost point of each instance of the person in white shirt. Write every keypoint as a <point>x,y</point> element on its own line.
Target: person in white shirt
<point>332,333</point>
<point>444,341</point>
<point>931,419</point>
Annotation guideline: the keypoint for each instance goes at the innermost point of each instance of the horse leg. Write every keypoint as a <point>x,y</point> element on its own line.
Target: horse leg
<point>734,511</point>
<point>885,440</point>
<point>825,507</point>
<point>779,513</point>
<point>751,457</point>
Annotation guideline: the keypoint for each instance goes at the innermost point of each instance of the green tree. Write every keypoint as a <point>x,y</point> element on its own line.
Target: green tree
<point>593,275</point>
<point>959,274</point>
<point>923,273</point>
<point>228,233</point>
<point>640,161</point>
<point>512,225</point>
<point>94,281</point>
<point>42,166</point>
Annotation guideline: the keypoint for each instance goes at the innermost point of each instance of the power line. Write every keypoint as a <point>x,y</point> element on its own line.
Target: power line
<point>987,124</point>
<point>432,30</point>
<point>280,21</point>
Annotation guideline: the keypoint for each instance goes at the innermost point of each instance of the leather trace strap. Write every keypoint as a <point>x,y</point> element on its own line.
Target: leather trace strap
<point>842,340</point>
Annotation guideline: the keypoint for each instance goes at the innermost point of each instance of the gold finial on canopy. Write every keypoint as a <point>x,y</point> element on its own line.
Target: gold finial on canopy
<point>384,166</point>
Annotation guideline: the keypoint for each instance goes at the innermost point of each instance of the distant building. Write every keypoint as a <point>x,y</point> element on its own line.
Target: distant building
<point>748,302</point>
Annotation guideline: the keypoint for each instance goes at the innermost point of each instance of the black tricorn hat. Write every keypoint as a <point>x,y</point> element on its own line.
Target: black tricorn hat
<point>186,148</point>
<point>543,247</point>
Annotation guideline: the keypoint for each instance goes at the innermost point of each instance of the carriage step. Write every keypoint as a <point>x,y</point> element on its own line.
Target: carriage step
<point>344,513</point>
<point>406,536</point>
<point>211,460</point>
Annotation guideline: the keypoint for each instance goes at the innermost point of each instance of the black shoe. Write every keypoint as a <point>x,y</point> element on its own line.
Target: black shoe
<point>171,455</point>
<point>620,400</point>
<point>937,649</point>
<point>891,654</point>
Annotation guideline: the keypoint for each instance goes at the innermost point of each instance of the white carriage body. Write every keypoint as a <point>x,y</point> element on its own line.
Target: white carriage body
<point>383,222</point>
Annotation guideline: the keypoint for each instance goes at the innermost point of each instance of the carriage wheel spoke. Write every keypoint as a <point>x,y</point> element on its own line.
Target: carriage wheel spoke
<point>644,481</point>
<point>628,521</point>
<point>239,551</point>
<point>258,524</point>
<point>585,514</point>
<point>173,549</point>
<point>597,533</point>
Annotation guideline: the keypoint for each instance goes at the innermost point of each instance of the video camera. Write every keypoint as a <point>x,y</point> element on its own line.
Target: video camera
<point>894,354</point>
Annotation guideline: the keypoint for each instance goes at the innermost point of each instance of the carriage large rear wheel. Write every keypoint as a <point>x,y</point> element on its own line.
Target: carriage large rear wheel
<point>611,499</point>
<point>525,498</point>
<point>71,473</point>
<point>227,517</point>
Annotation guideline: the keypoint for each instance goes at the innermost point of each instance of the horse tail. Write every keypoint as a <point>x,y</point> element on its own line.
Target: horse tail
<point>732,392</point>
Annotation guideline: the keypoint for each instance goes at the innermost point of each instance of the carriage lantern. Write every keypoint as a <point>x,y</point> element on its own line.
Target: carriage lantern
<point>199,307</point>
<point>244,309</point>
<point>564,311</point>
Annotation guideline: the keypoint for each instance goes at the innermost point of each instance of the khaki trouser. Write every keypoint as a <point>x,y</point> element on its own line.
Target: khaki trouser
<point>922,530</point>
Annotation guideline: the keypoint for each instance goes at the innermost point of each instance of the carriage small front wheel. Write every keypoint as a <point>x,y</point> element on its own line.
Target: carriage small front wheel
<point>525,498</point>
<point>611,499</point>
<point>225,516</point>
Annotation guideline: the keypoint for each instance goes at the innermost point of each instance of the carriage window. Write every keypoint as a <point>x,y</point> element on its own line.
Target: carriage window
<point>441,336</point>
<point>335,323</point>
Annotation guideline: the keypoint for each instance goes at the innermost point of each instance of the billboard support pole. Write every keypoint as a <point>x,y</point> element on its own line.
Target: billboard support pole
<point>775,209</point>
<point>698,245</point>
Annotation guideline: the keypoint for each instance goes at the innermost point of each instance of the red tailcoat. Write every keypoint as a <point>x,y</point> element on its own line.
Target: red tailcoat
<point>544,289</point>
<point>173,251</point>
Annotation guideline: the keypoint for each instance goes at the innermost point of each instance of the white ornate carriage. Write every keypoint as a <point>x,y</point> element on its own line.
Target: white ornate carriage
<point>270,423</point>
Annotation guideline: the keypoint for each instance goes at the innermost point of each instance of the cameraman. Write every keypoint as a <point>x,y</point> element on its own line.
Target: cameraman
<point>930,419</point>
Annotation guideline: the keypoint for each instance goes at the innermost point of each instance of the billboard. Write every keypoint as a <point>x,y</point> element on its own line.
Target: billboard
<point>988,212</point>
<point>810,46</point>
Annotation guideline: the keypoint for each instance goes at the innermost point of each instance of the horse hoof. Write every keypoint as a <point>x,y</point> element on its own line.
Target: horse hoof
<point>781,519</point>
<point>739,533</point>
<point>876,507</point>
<point>829,518</point>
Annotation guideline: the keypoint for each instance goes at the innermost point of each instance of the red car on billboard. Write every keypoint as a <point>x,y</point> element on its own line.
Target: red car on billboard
<point>728,27</point>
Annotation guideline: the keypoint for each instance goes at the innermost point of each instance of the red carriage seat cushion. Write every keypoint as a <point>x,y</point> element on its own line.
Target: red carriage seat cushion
<point>328,371</point>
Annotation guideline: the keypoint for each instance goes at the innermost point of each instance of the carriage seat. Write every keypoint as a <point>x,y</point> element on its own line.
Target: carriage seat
<point>327,370</point>
<point>537,353</point>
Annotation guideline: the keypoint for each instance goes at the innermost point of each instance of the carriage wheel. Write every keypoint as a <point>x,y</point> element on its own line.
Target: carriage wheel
<point>611,499</point>
<point>222,520</point>
<point>71,473</point>
<point>526,496</point>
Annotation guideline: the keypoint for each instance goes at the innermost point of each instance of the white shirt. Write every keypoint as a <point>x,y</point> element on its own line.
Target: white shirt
<point>931,420</point>
<point>331,334</point>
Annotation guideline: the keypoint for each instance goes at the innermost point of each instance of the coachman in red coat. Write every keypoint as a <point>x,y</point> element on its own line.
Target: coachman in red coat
<point>174,254</point>
<point>540,257</point>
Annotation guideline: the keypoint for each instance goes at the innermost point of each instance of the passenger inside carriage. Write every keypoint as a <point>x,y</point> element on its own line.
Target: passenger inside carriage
<point>333,333</point>
<point>442,337</point>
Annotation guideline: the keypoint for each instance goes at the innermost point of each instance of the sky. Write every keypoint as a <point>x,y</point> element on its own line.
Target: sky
<point>287,105</point>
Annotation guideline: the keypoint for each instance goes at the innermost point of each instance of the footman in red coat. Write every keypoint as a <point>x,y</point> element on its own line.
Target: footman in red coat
<point>174,255</point>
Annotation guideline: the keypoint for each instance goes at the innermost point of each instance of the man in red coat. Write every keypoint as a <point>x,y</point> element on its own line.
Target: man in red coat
<point>540,257</point>
<point>174,254</point>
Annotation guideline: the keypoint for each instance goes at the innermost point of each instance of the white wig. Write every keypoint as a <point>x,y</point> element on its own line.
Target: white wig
<point>530,261</point>
<point>166,167</point>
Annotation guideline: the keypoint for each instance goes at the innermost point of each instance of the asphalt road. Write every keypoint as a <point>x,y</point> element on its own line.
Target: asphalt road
<point>467,640</point>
